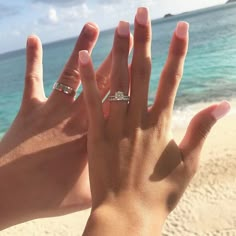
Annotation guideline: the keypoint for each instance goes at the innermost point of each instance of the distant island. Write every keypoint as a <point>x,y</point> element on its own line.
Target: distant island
<point>168,15</point>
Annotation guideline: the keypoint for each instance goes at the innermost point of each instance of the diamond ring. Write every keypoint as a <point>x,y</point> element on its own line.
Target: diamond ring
<point>119,96</point>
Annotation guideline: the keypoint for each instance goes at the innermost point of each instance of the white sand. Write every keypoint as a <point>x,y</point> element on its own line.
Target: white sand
<point>207,208</point>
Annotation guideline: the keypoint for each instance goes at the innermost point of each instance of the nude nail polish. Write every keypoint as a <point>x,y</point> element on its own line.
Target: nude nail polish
<point>31,41</point>
<point>182,29</point>
<point>90,29</point>
<point>142,16</point>
<point>221,110</point>
<point>84,57</point>
<point>123,28</point>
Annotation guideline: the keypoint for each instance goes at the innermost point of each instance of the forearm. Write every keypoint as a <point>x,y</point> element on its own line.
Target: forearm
<point>111,222</point>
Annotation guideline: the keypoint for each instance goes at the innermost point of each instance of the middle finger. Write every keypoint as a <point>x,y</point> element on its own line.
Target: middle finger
<point>141,64</point>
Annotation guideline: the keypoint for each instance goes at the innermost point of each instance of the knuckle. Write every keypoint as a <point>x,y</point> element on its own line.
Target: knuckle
<point>174,75</point>
<point>142,70</point>
<point>161,127</point>
<point>176,78</point>
<point>179,52</point>
<point>33,77</point>
<point>142,36</point>
<point>121,47</point>
<point>70,74</point>
<point>103,81</point>
<point>203,128</point>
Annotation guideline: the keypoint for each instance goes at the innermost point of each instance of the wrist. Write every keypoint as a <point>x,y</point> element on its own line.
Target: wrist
<point>127,220</point>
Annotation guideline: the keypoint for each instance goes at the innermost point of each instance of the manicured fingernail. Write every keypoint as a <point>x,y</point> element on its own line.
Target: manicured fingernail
<point>32,41</point>
<point>123,28</point>
<point>90,29</point>
<point>84,57</point>
<point>142,16</point>
<point>182,29</point>
<point>221,110</point>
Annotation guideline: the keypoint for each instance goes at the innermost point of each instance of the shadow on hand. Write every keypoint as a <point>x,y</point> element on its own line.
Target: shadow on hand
<point>40,182</point>
<point>168,172</point>
<point>167,163</point>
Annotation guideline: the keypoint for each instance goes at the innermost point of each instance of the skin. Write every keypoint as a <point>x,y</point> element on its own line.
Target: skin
<point>138,172</point>
<point>43,156</point>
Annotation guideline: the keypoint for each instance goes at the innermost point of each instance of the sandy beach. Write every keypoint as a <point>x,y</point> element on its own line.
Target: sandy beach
<point>207,208</point>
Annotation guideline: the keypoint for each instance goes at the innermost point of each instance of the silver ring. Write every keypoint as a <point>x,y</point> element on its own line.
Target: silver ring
<point>64,89</point>
<point>119,96</point>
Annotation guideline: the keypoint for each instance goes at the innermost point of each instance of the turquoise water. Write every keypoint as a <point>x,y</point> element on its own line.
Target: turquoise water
<point>210,69</point>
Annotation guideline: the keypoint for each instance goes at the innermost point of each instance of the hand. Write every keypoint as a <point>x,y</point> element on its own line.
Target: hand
<point>137,171</point>
<point>43,156</point>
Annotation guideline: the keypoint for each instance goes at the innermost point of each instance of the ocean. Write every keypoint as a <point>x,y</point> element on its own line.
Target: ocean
<point>210,68</point>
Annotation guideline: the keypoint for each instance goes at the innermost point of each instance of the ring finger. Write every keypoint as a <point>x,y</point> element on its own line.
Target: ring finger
<point>69,79</point>
<point>119,74</point>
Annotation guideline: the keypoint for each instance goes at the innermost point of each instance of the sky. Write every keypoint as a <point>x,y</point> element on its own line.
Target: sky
<point>54,20</point>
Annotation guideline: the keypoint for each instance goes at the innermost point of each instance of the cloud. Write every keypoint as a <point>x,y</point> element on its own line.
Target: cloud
<point>77,12</point>
<point>51,17</point>
<point>64,16</point>
<point>7,11</point>
<point>65,3</point>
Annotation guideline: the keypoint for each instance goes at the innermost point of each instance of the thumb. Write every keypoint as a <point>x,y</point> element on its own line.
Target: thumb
<point>197,132</point>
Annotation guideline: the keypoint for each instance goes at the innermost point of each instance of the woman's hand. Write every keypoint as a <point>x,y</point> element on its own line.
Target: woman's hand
<point>137,171</point>
<point>43,156</point>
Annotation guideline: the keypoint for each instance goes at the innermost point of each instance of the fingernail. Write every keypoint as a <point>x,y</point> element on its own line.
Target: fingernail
<point>123,28</point>
<point>31,41</point>
<point>221,110</point>
<point>84,57</point>
<point>182,29</point>
<point>90,29</point>
<point>142,16</point>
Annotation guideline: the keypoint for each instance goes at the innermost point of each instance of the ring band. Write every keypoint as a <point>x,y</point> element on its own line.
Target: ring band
<point>119,96</point>
<point>64,88</point>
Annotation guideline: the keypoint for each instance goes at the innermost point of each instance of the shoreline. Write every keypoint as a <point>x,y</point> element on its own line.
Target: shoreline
<point>208,207</point>
<point>182,116</point>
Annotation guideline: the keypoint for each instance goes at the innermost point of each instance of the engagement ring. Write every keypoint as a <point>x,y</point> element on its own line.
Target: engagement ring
<point>119,96</point>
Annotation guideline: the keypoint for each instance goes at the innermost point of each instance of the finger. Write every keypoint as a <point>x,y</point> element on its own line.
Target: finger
<point>172,72</point>
<point>103,74</point>
<point>141,63</point>
<point>34,71</point>
<point>120,73</point>
<point>103,82</point>
<point>70,74</point>
<point>196,134</point>
<point>91,94</point>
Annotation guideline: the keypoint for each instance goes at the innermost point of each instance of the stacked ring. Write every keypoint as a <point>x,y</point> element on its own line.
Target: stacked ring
<point>64,89</point>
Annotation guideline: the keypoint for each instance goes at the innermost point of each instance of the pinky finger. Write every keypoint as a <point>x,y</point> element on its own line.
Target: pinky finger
<point>91,93</point>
